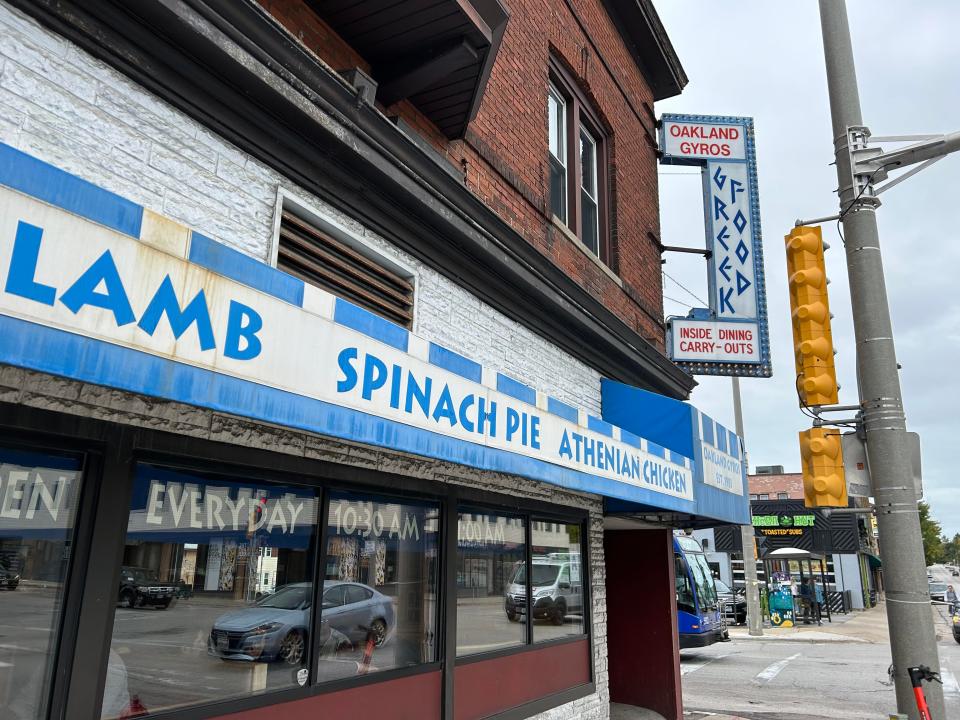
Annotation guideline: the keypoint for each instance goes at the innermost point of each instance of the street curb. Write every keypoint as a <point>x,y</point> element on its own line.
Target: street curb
<point>782,638</point>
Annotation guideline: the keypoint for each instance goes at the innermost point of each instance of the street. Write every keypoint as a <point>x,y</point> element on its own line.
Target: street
<point>837,671</point>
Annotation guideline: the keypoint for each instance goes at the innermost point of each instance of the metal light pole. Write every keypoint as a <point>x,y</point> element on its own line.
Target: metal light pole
<point>910,621</point>
<point>754,621</point>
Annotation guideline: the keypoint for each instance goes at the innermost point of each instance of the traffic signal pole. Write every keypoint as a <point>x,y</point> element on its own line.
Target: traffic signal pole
<point>747,535</point>
<point>912,639</point>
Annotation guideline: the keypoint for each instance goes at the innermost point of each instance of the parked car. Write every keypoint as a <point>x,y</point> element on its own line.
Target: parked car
<point>557,590</point>
<point>938,591</point>
<point>9,580</point>
<point>275,627</point>
<point>733,603</point>
<point>140,587</point>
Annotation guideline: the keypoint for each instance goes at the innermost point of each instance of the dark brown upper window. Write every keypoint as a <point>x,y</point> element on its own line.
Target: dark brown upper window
<point>578,164</point>
<point>319,258</point>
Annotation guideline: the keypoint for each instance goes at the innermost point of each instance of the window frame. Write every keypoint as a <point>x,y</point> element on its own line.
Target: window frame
<point>530,514</point>
<point>113,450</point>
<point>581,115</point>
<point>65,636</point>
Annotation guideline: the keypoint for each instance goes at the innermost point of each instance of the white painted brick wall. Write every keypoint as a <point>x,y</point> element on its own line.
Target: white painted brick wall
<point>65,107</point>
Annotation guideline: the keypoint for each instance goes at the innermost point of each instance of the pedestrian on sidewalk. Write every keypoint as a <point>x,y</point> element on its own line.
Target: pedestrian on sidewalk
<point>951,598</point>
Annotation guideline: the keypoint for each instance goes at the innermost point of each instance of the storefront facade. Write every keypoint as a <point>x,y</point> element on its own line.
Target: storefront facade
<point>293,418</point>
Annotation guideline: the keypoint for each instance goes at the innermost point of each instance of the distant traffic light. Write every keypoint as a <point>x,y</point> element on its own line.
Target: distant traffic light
<point>821,456</point>
<point>810,310</point>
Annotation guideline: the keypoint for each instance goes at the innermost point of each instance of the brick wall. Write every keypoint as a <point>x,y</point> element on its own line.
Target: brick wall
<point>790,483</point>
<point>505,150</point>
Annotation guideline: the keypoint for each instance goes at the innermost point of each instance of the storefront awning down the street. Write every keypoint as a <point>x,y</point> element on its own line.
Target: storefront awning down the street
<point>875,562</point>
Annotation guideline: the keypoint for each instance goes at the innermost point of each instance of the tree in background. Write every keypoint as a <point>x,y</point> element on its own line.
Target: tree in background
<point>933,549</point>
<point>951,549</point>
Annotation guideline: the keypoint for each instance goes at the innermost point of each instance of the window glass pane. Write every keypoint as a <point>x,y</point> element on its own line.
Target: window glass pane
<point>381,580</point>
<point>556,112</point>
<point>557,579</point>
<point>491,588</point>
<point>588,164</point>
<point>558,189</point>
<point>38,504</point>
<point>589,216</point>
<point>196,621</point>
<point>589,227</point>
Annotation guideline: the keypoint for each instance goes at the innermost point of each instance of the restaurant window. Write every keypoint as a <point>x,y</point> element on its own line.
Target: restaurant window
<point>215,591</point>
<point>38,506</point>
<point>578,163</point>
<point>323,255</point>
<point>491,587</point>
<point>379,603</point>
<point>556,580</point>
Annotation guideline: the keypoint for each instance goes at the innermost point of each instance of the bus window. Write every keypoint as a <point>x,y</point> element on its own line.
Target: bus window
<point>706,590</point>
<point>685,601</point>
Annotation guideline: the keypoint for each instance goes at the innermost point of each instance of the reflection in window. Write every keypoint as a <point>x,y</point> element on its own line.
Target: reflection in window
<point>215,591</point>
<point>557,580</point>
<point>379,606</point>
<point>491,600</point>
<point>38,504</point>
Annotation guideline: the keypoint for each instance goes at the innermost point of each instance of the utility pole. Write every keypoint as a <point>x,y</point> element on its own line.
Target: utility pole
<point>912,640</point>
<point>754,621</point>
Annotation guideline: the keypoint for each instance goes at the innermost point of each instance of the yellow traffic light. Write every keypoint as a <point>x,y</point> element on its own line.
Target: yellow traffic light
<point>810,310</point>
<point>821,457</point>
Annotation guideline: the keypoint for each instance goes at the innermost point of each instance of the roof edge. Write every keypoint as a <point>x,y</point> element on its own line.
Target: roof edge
<point>640,26</point>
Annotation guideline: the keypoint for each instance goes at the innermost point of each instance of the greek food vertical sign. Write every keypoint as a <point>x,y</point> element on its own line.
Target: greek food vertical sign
<point>731,336</point>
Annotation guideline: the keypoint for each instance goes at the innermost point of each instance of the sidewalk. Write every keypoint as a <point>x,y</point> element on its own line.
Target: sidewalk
<point>631,712</point>
<point>869,626</point>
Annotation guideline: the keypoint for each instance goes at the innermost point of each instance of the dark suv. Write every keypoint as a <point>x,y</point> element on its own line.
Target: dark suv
<point>9,580</point>
<point>733,603</point>
<point>139,587</point>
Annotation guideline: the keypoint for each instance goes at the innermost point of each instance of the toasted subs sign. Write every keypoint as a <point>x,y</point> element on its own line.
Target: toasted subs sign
<point>85,274</point>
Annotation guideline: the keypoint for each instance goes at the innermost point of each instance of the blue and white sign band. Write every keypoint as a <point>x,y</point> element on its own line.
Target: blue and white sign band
<point>134,300</point>
<point>721,456</point>
<point>703,343</point>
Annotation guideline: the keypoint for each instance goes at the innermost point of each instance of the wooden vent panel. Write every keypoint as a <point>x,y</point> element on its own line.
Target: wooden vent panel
<point>319,259</point>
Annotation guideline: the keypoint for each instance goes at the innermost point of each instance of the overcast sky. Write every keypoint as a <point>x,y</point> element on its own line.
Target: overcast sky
<point>765,59</point>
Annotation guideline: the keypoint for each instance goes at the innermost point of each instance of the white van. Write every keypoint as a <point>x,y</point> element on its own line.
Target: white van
<point>557,588</point>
